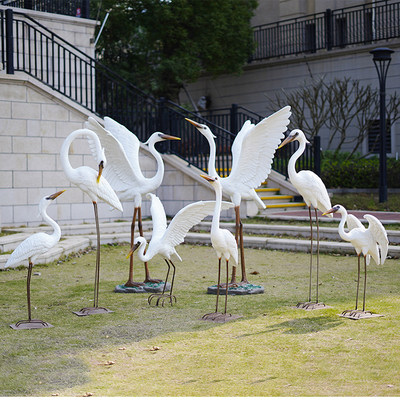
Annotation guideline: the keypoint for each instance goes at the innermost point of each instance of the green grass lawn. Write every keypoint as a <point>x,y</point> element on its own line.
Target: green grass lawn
<point>142,350</point>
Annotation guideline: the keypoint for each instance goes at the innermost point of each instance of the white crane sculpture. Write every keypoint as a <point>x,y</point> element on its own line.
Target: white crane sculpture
<point>370,242</point>
<point>31,248</point>
<point>314,193</point>
<point>125,175</point>
<point>96,187</point>
<point>225,245</point>
<point>252,154</point>
<point>164,240</point>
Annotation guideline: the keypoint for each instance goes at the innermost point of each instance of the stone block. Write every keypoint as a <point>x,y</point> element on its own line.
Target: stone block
<point>24,214</point>
<point>42,129</point>
<point>5,144</point>
<point>183,193</point>
<point>12,92</point>
<point>45,162</point>
<point>5,109</point>
<point>7,214</point>
<point>27,145</point>
<point>11,197</point>
<point>173,177</point>
<point>25,110</point>
<point>64,128</point>
<point>13,162</point>
<point>25,179</point>
<point>5,179</point>
<point>54,112</point>
<point>54,178</point>
<point>52,145</point>
<point>14,127</point>
<point>34,96</point>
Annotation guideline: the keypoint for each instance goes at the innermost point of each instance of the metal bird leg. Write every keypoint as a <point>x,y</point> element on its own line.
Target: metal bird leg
<point>218,316</point>
<point>30,323</point>
<point>311,305</point>
<point>316,290</point>
<point>365,281</point>
<point>240,244</point>
<point>162,296</point>
<point>358,281</point>
<point>131,282</point>
<point>95,309</point>
<point>147,278</point>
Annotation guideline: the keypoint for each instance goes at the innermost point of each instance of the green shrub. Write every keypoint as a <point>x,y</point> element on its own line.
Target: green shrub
<point>337,172</point>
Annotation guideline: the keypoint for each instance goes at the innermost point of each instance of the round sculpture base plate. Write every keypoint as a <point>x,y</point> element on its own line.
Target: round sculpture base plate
<point>31,324</point>
<point>241,289</point>
<point>148,287</point>
<point>356,314</point>
<point>91,311</point>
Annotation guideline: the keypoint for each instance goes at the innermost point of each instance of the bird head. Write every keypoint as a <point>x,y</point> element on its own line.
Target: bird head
<point>295,134</point>
<point>160,137</point>
<point>137,243</point>
<point>204,129</point>
<point>101,167</point>
<point>46,200</point>
<point>334,209</point>
<point>213,180</point>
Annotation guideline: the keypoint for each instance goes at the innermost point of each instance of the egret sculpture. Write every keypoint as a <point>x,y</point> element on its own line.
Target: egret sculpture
<point>31,248</point>
<point>164,240</point>
<point>125,176</point>
<point>96,187</point>
<point>252,154</point>
<point>225,245</point>
<point>370,242</point>
<point>314,193</point>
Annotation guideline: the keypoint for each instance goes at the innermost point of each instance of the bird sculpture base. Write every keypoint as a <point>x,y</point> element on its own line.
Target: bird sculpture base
<point>309,306</point>
<point>237,289</point>
<point>220,317</point>
<point>148,287</point>
<point>31,324</point>
<point>357,314</point>
<point>91,311</point>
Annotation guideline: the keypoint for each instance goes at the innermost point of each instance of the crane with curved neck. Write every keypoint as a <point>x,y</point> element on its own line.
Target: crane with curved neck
<point>371,242</point>
<point>124,173</point>
<point>252,154</point>
<point>164,239</point>
<point>314,193</point>
<point>225,245</point>
<point>31,248</point>
<point>96,187</point>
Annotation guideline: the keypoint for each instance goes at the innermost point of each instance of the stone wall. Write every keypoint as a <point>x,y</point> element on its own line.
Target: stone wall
<point>34,121</point>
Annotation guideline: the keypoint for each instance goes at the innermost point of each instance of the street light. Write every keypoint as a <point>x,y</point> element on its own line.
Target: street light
<point>382,60</point>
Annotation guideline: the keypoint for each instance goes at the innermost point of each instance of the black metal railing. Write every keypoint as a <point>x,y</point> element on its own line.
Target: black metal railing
<point>29,47</point>
<point>379,20</point>
<point>75,8</point>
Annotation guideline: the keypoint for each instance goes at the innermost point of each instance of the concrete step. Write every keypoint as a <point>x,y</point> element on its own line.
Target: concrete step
<point>264,238</point>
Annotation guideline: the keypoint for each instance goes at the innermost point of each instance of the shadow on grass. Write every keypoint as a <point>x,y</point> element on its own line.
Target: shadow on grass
<point>300,326</point>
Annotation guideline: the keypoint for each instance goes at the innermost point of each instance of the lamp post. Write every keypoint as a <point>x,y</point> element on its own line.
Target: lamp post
<point>381,59</point>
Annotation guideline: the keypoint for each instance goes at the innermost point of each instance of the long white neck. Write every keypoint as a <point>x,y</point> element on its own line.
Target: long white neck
<point>144,257</point>
<point>293,159</point>
<point>211,161</point>
<point>66,165</point>
<point>158,177</point>
<point>343,234</point>
<point>56,235</point>
<point>217,208</point>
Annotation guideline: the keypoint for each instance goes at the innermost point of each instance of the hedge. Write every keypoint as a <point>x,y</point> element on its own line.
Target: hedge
<point>360,173</point>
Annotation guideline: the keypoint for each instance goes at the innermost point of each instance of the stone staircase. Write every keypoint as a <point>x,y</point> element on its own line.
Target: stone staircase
<point>274,201</point>
<point>262,236</point>
<point>272,197</point>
